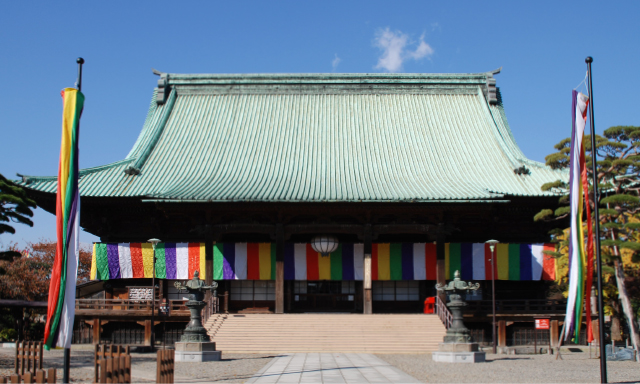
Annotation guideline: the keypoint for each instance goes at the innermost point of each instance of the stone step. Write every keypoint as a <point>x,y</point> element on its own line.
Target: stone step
<point>281,333</point>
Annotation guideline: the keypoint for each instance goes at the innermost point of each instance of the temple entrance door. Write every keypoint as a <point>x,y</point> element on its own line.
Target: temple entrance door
<point>324,296</point>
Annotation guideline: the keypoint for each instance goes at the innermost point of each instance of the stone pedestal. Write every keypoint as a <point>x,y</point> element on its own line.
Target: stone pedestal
<point>458,353</point>
<point>197,352</point>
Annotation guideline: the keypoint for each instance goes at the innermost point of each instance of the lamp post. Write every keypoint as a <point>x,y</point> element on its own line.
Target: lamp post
<point>492,246</point>
<point>153,242</point>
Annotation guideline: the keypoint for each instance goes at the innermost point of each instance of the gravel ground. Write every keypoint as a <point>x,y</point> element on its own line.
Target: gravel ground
<point>234,368</point>
<point>576,367</point>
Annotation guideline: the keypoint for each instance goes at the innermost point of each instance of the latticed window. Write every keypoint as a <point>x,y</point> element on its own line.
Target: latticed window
<point>396,290</point>
<point>249,290</point>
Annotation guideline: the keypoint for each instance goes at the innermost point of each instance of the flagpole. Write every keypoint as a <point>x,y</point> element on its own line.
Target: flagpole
<point>67,351</point>
<point>603,355</point>
<point>80,61</point>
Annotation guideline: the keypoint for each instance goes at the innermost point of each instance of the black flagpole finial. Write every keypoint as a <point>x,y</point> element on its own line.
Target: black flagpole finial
<point>80,61</point>
<point>588,60</point>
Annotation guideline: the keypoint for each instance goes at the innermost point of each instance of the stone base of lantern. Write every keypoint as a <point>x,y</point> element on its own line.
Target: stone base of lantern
<point>196,352</point>
<point>458,353</point>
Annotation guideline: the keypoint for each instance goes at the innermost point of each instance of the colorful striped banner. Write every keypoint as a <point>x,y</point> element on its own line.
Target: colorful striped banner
<point>244,261</point>
<point>135,260</point>
<point>403,261</point>
<point>257,261</point>
<point>514,262</point>
<point>62,286</point>
<point>396,261</point>
<point>580,259</point>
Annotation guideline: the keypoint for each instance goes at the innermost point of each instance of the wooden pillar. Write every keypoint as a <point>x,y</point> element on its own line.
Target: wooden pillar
<point>441,277</point>
<point>208,260</point>
<point>553,333</point>
<point>367,294</point>
<point>96,330</point>
<point>208,264</point>
<point>147,332</point>
<point>502,333</point>
<point>160,290</point>
<point>279,269</point>
<point>595,326</point>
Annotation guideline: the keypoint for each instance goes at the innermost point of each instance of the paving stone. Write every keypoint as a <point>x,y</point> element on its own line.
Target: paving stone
<point>332,368</point>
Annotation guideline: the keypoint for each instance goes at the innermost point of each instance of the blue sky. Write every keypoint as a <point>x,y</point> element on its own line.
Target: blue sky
<point>540,45</point>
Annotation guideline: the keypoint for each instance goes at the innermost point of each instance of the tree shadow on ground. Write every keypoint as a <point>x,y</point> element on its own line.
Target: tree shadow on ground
<point>252,358</point>
<point>508,359</point>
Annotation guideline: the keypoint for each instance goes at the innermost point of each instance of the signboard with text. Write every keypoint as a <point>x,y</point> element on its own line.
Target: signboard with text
<point>542,323</point>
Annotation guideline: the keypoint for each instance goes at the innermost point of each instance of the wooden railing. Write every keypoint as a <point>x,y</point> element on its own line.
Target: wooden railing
<point>212,307</point>
<point>28,357</point>
<point>503,307</point>
<point>114,370</point>
<point>521,307</point>
<point>103,352</point>
<point>40,377</point>
<point>443,313</point>
<point>126,307</point>
<point>165,366</point>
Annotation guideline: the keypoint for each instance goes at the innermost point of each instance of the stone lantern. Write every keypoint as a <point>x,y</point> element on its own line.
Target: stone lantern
<point>195,344</point>
<point>458,347</point>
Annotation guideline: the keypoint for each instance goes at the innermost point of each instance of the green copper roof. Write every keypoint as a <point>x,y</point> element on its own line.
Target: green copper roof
<point>328,137</point>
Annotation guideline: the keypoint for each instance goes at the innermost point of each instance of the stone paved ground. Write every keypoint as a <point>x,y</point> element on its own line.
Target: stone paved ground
<point>575,367</point>
<point>347,368</point>
<point>234,368</point>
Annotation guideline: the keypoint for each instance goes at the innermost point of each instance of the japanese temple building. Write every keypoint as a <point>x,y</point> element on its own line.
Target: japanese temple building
<point>237,173</point>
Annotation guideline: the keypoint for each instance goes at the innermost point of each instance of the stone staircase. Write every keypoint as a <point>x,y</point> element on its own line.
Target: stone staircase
<point>356,333</point>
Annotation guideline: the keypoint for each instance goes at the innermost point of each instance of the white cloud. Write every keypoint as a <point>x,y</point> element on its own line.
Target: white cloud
<point>423,50</point>
<point>394,49</point>
<point>334,63</point>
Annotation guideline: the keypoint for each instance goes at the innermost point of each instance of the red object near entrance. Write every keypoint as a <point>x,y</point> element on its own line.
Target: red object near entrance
<point>542,323</point>
<point>429,304</point>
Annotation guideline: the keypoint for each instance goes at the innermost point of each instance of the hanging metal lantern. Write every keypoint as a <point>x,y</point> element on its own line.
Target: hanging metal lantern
<point>324,244</point>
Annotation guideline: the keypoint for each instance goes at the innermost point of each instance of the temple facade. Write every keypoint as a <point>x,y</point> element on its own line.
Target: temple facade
<point>237,174</point>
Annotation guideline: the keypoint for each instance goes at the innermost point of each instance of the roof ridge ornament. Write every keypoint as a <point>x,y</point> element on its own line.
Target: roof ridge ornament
<point>490,91</point>
<point>132,170</point>
<point>163,86</point>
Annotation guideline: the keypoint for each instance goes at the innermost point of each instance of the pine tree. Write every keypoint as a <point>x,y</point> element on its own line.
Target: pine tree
<point>618,178</point>
<point>15,207</point>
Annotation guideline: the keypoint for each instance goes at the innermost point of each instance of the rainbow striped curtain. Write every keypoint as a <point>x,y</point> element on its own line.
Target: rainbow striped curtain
<point>135,260</point>
<point>252,261</point>
<point>403,261</point>
<point>257,261</point>
<point>244,261</point>
<point>513,261</point>
<point>389,261</point>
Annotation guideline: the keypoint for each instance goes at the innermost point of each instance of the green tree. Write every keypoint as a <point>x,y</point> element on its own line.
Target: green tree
<point>15,207</point>
<point>28,278</point>
<point>618,178</point>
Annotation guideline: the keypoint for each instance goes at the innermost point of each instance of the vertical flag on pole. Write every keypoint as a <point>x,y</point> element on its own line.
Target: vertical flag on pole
<point>62,288</point>
<point>577,256</point>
